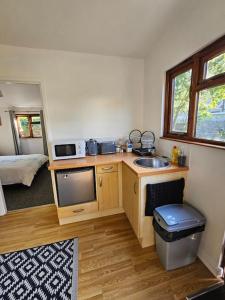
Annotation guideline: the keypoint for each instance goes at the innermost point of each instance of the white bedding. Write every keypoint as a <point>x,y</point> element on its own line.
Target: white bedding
<point>20,168</point>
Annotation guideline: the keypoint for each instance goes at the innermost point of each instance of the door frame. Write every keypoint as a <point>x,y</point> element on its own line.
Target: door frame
<point>42,85</point>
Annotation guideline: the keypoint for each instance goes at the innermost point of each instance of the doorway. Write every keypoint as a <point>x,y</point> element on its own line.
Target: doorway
<point>24,175</point>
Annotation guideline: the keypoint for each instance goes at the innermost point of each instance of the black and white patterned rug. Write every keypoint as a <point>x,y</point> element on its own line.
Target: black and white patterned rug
<point>40,273</point>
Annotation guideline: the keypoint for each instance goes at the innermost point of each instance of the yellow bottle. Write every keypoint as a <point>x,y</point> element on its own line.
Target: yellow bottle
<point>174,155</point>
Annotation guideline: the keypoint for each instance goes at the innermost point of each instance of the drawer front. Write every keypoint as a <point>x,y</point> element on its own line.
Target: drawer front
<point>78,209</point>
<point>107,168</point>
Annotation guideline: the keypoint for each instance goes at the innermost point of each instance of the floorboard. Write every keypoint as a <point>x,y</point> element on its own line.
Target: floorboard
<point>112,265</point>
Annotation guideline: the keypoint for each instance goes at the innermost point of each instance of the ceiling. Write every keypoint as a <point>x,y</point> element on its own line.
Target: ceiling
<point>108,27</point>
<point>20,95</point>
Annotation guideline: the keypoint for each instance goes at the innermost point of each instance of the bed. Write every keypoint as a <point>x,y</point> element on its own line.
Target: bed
<point>20,168</point>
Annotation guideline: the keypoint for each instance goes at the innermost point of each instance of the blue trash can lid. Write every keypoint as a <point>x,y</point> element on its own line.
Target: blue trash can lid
<point>177,217</point>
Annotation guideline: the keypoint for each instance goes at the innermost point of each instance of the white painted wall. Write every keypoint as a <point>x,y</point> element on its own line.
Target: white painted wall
<point>32,146</point>
<point>6,139</point>
<point>191,31</point>
<point>85,95</point>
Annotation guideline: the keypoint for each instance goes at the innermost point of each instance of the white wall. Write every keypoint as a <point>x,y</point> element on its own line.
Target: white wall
<point>32,146</point>
<point>191,31</point>
<point>84,95</point>
<point>6,139</point>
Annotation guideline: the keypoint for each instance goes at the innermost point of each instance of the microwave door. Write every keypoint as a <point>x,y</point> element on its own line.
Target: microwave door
<point>65,150</point>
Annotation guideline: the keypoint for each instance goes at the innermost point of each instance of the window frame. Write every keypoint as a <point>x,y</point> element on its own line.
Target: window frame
<point>197,63</point>
<point>29,116</point>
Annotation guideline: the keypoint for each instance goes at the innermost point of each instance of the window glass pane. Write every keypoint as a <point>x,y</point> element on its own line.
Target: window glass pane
<point>211,114</point>
<point>36,126</point>
<point>35,119</point>
<point>215,66</point>
<point>180,101</point>
<point>23,126</point>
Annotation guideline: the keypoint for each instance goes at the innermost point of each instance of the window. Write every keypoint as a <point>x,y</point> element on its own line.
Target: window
<point>180,96</point>
<point>210,120</point>
<point>29,126</point>
<point>215,66</point>
<point>195,98</point>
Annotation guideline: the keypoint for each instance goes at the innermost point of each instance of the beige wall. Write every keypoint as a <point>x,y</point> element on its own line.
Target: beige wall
<point>84,95</point>
<point>205,185</point>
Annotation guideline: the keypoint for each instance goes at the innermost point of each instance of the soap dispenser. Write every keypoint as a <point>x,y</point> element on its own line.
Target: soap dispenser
<point>174,155</point>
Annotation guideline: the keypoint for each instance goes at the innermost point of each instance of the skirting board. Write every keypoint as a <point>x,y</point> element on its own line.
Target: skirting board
<point>206,261</point>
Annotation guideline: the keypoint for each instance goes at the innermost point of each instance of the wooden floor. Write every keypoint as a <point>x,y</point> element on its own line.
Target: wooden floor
<point>112,265</point>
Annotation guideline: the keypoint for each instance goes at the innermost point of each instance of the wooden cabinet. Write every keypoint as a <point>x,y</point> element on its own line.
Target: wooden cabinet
<point>107,187</point>
<point>131,191</point>
<point>109,197</point>
<point>120,186</point>
<point>107,168</point>
<point>78,209</point>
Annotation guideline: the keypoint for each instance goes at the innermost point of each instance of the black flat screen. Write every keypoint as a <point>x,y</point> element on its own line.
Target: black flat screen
<point>65,150</point>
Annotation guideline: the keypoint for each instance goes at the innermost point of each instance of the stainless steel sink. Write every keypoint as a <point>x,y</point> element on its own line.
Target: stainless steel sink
<point>152,162</point>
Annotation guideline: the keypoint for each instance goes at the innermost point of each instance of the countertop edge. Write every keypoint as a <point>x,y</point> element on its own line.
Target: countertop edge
<point>126,158</point>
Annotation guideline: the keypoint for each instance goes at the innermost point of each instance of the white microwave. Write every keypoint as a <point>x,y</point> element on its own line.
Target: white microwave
<point>68,149</point>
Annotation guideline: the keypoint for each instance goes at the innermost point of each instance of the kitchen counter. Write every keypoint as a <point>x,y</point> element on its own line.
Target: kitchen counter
<point>120,187</point>
<point>127,158</point>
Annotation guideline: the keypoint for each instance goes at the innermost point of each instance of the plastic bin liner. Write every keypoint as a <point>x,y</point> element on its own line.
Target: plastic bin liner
<point>176,235</point>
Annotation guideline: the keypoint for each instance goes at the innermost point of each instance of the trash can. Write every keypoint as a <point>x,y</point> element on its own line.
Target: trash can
<point>178,229</point>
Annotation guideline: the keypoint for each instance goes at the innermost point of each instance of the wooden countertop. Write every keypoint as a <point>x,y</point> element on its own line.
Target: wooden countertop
<point>127,158</point>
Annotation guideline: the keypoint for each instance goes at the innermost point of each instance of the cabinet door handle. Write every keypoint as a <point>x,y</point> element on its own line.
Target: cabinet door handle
<point>100,181</point>
<point>78,210</point>
<point>107,168</point>
<point>135,185</point>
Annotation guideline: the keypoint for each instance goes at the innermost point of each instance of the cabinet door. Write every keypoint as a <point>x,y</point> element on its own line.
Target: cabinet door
<point>135,206</point>
<point>108,190</point>
<point>127,192</point>
<point>131,197</point>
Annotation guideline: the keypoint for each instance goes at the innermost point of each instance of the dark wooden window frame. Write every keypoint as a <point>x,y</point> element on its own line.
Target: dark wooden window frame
<point>197,63</point>
<point>29,116</point>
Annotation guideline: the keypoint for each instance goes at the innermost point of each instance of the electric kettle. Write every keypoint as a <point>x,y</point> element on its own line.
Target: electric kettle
<point>92,147</point>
